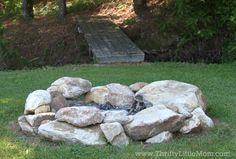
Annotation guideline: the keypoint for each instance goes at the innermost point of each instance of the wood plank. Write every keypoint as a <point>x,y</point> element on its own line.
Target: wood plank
<point>107,42</point>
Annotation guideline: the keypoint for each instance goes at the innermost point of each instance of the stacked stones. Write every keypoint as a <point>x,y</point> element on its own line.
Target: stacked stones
<point>152,113</point>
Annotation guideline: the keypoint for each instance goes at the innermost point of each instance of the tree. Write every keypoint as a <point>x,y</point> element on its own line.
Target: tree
<point>139,6</point>
<point>27,7</point>
<point>62,8</point>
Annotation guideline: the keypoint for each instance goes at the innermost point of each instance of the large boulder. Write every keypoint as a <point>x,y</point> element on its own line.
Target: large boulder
<point>206,122</point>
<point>36,99</point>
<point>160,138</point>
<point>151,121</point>
<point>120,95</point>
<point>114,133</point>
<point>120,116</point>
<point>98,95</point>
<point>80,116</point>
<point>61,131</point>
<point>70,87</point>
<point>177,96</point>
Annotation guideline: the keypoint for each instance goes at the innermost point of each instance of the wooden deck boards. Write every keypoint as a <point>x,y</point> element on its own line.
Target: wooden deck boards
<point>107,42</point>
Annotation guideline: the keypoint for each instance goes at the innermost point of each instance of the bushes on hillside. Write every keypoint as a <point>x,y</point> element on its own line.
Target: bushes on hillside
<point>207,26</point>
<point>9,58</point>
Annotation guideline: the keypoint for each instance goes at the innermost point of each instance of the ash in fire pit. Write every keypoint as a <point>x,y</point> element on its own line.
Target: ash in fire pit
<point>74,111</point>
<point>136,107</point>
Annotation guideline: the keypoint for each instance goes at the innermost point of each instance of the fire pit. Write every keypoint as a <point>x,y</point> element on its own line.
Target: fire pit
<point>72,110</point>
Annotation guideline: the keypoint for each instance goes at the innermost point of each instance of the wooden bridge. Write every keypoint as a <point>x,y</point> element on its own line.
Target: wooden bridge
<point>107,42</point>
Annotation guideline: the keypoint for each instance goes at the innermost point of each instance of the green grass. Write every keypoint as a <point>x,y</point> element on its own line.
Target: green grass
<point>218,83</point>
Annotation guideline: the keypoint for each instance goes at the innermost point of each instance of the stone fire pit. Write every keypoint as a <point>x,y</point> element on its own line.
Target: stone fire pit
<point>72,110</point>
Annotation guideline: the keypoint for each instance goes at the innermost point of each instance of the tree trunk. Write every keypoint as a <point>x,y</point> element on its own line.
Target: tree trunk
<point>62,8</point>
<point>27,7</point>
<point>139,6</point>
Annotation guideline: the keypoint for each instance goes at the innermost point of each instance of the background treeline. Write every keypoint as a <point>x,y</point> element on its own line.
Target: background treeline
<point>204,30</point>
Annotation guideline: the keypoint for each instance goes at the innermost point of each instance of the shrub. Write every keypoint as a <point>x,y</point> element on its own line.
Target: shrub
<point>207,25</point>
<point>10,7</point>
<point>9,58</point>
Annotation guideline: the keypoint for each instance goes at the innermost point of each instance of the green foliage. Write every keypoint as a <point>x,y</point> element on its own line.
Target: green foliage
<point>2,42</point>
<point>212,22</point>
<point>10,7</point>
<point>130,21</point>
<point>10,57</point>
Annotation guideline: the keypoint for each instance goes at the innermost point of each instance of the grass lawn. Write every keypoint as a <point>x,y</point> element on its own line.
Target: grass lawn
<point>218,83</point>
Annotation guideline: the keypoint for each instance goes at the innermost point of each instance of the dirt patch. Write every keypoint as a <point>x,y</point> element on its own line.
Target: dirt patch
<point>28,138</point>
<point>47,41</point>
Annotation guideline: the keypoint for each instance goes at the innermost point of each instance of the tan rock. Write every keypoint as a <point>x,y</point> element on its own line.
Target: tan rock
<point>98,95</point>
<point>137,86</point>
<point>42,109</point>
<point>70,87</point>
<point>61,131</point>
<point>80,116</point>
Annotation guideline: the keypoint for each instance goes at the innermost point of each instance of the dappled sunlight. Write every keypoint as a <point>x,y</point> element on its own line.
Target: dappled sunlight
<point>10,149</point>
<point>119,11</point>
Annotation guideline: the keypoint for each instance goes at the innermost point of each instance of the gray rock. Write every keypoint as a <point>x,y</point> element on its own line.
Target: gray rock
<point>178,96</point>
<point>114,133</point>
<point>120,116</point>
<point>206,122</point>
<point>58,101</point>
<point>80,116</point>
<point>36,99</point>
<point>151,121</point>
<point>70,87</point>
<point>35,120</point>
<point>24,125</point>
<point>191,125</point>
<point>160,138</point>
<point>30,123</point>
<point>120,95</point>
<point>61,131</point>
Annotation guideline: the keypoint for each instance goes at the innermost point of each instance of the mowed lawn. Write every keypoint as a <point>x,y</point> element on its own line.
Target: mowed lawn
<point>218,83</point>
